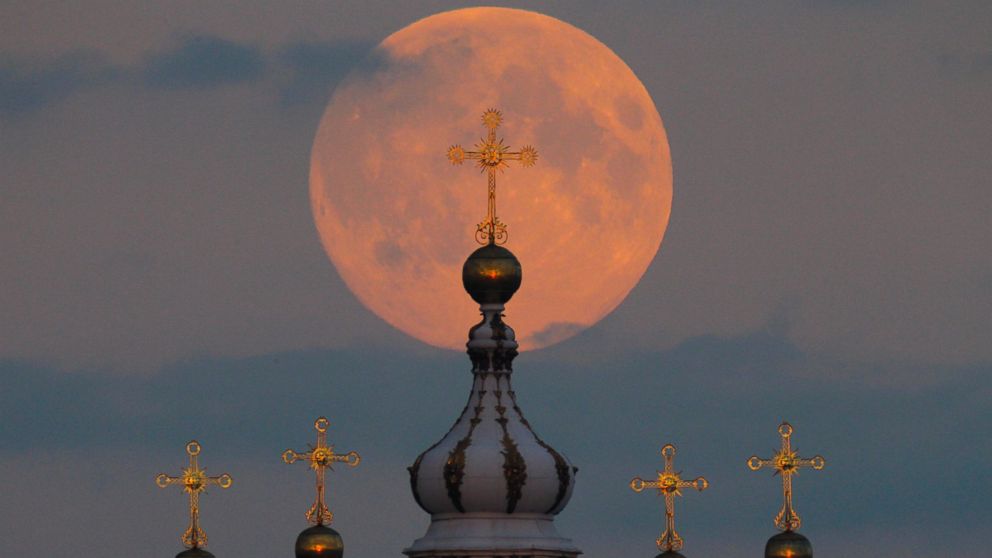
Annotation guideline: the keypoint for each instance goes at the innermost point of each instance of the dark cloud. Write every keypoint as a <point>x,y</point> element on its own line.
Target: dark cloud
<point>719,399</point>
<point>205,61</point>
<point>306,71</point>
<point>556,331</point>
<point>316,67</point>
<point>27,86</point>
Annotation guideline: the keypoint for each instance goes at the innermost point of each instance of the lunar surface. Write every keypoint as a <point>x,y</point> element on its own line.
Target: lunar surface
<point>398,220</point>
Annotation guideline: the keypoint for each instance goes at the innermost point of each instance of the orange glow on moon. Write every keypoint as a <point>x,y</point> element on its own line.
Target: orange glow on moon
<point>398,220</point>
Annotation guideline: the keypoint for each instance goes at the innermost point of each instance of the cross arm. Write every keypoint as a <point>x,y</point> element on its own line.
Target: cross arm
<point>223,481</point>
<point>457,155</point>
<point>352,459</point>
<point>699,483</point>
<point>527,156</point>
<point>163,480</point>
<point>637,484</point>
<point>290,456</point>
<point>817,462</point>
<point>754,463</point>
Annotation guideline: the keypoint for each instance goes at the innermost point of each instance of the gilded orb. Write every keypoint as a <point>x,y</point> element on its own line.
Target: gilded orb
<point>491,275</point>
<point>788,544</point>
<point>319,541</point>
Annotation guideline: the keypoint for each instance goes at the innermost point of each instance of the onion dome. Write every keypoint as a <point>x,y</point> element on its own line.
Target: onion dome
<point>195,552</point>
<point>788,544</point>
<point>319,541</point>
<point>491,484</point>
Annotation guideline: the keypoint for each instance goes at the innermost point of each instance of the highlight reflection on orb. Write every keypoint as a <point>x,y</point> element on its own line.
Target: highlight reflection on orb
<point>397,220</point>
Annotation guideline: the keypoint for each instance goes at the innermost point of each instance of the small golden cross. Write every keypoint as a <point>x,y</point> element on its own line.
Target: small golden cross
<point>321,457</point>
<point>194,480</point>
<point>669,484</point>
<point>786,462</point>
<point>492,156</point>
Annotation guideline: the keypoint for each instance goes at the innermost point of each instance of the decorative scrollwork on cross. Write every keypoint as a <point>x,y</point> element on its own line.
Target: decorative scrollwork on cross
<point>194,480</point>
<point>786,463</point>
<point>492,156</point>
<point>321,457</point>
<point>669,484</point>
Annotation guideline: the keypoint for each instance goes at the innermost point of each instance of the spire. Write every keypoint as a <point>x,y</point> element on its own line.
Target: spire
<point>669,484</point>
<point>492,156</point>
<point>194,481</point>
<point>786,462</point>
<point>491,484</point>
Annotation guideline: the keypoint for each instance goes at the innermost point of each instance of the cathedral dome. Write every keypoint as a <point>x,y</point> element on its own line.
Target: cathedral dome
<point>319,541</point>
<point>492,461</point>
<point>491,274</point>
<point>788,544</point>
<point>491,484</point>
<point>195,552</point>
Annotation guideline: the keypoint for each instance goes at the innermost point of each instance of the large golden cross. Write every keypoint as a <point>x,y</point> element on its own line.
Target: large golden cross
<point>669,483</point>
<point>321,457</point>
<point>786,462</point>
<point>194,480</point>
<point>492,156</point>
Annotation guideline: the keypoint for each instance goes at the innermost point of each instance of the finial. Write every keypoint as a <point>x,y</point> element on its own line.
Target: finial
<point>492,155</point>
<point>321,457</point>
<point>194,480</point>
<point>669,484</point>
<point>786,463</point>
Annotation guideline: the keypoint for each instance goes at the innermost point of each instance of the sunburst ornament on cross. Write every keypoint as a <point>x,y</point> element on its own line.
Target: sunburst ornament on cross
<point>786,463</point>
<point>321,457</point>
<point>194,480</point>
<point>669,484</point>
<point>492,156</point>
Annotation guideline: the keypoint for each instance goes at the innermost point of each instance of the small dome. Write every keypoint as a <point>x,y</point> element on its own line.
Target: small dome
<point>669,554</point>
<point>319,541</point>
<point>491,274</point>
<point>195,552</point>
<point>788,544</point>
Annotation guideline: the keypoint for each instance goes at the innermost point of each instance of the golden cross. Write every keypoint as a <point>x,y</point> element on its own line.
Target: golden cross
<point>492,156</point>
<point>786,463</point>
<point>669,484</point>
<point>321,457</point>
<point>194,480</point>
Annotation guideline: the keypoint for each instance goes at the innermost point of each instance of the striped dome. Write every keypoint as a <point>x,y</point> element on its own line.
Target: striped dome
<point>492,460</point>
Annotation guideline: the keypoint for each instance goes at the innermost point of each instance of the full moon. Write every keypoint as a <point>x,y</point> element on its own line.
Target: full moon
<point>398,220</point>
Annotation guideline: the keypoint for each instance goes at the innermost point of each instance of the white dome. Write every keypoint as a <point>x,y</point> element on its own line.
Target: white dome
<point>491,467</point>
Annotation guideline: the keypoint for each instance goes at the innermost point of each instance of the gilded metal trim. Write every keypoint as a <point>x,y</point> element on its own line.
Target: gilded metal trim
<point>492,156</point>
<point>669,484</point>
<point>454,467</point>
<point>561,465</point>
<point>454,471</point>
<point>321,457</point>
<point>194,481</point>
<point>786,463</point>
<point>514,465</point>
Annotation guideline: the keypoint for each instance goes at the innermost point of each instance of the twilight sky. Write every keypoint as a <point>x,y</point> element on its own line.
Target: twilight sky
<point>827,262</point>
